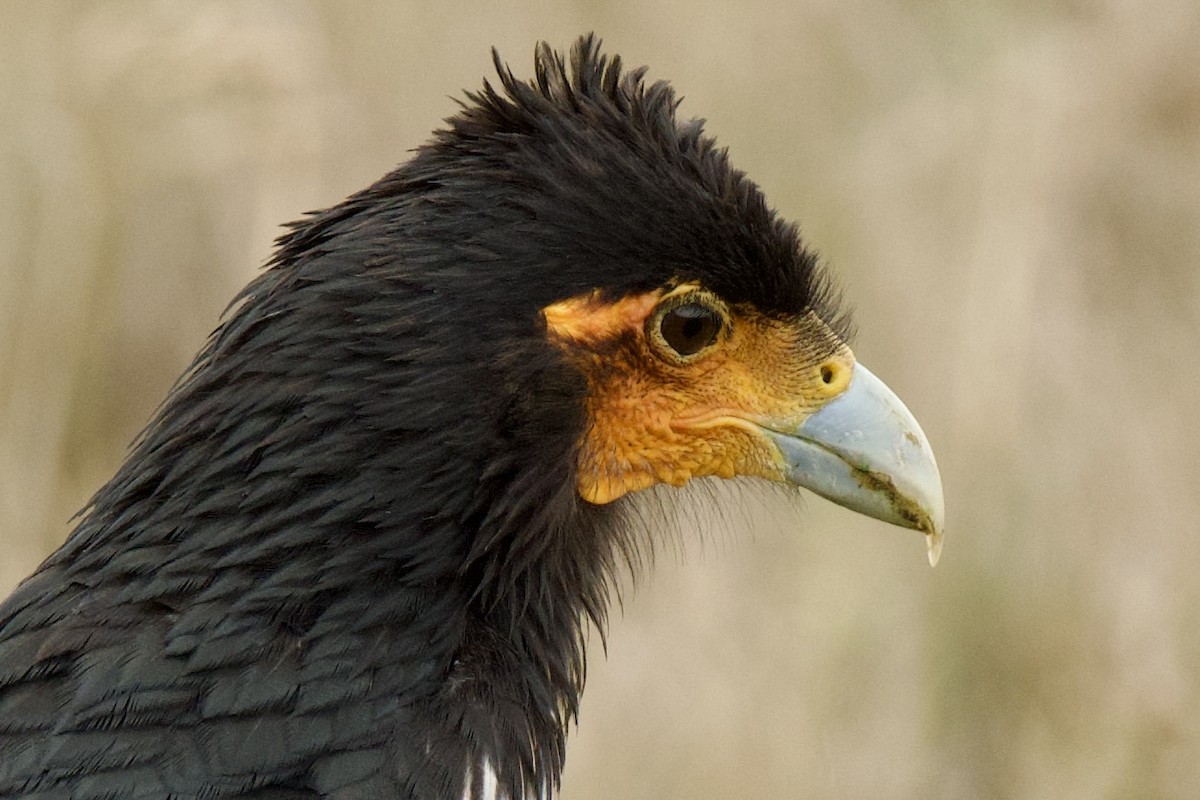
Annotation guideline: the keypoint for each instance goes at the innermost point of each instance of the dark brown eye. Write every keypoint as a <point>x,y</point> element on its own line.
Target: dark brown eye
<point>690,328</point>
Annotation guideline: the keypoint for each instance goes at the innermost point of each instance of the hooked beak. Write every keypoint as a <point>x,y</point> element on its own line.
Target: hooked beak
<point>865,451</point>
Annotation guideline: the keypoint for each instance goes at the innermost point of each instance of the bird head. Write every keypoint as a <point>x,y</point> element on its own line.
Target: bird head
<point>609,246</point>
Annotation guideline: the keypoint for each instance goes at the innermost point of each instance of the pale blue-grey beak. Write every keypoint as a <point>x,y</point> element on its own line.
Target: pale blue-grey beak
<point>865,451</point>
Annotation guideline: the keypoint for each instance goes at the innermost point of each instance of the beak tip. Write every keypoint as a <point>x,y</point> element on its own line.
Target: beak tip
<point>935,530</point>
<point>933,542</point>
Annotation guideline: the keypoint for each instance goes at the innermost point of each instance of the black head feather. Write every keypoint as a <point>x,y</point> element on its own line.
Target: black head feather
<point>354,517</point>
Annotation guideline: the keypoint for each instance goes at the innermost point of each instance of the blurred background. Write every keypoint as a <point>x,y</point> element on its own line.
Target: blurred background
<point>1010,193</point>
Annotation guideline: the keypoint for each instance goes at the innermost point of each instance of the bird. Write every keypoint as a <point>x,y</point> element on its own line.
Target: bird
<point>357,551</point>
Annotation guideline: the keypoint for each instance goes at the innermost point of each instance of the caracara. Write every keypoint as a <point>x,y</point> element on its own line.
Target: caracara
<point>356,552</point>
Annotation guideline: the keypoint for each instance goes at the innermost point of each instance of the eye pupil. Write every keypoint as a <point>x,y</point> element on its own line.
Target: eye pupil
<point>690,328</point>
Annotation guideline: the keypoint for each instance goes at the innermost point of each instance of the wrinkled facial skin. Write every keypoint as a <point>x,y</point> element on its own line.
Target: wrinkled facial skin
<point>656,415</point>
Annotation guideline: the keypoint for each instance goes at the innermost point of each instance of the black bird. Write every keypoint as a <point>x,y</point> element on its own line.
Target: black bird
<point>355,553</point>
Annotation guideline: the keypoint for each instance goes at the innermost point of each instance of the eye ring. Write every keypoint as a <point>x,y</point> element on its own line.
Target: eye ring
<point>686,325</point>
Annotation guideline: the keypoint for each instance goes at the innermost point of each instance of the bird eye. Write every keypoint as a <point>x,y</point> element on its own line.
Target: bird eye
<point>689,328</point>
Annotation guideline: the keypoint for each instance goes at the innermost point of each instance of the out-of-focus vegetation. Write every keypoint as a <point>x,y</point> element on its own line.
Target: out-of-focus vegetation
<point>1011,194</point>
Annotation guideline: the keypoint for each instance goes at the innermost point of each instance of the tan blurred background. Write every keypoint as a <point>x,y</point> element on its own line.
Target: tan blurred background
<point>1011,194</point>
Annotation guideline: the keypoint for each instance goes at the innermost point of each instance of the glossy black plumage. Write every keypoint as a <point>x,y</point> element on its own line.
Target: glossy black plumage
<point>347,557</point>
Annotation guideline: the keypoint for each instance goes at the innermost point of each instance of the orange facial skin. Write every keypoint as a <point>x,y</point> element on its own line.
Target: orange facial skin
<point>655,416</point>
